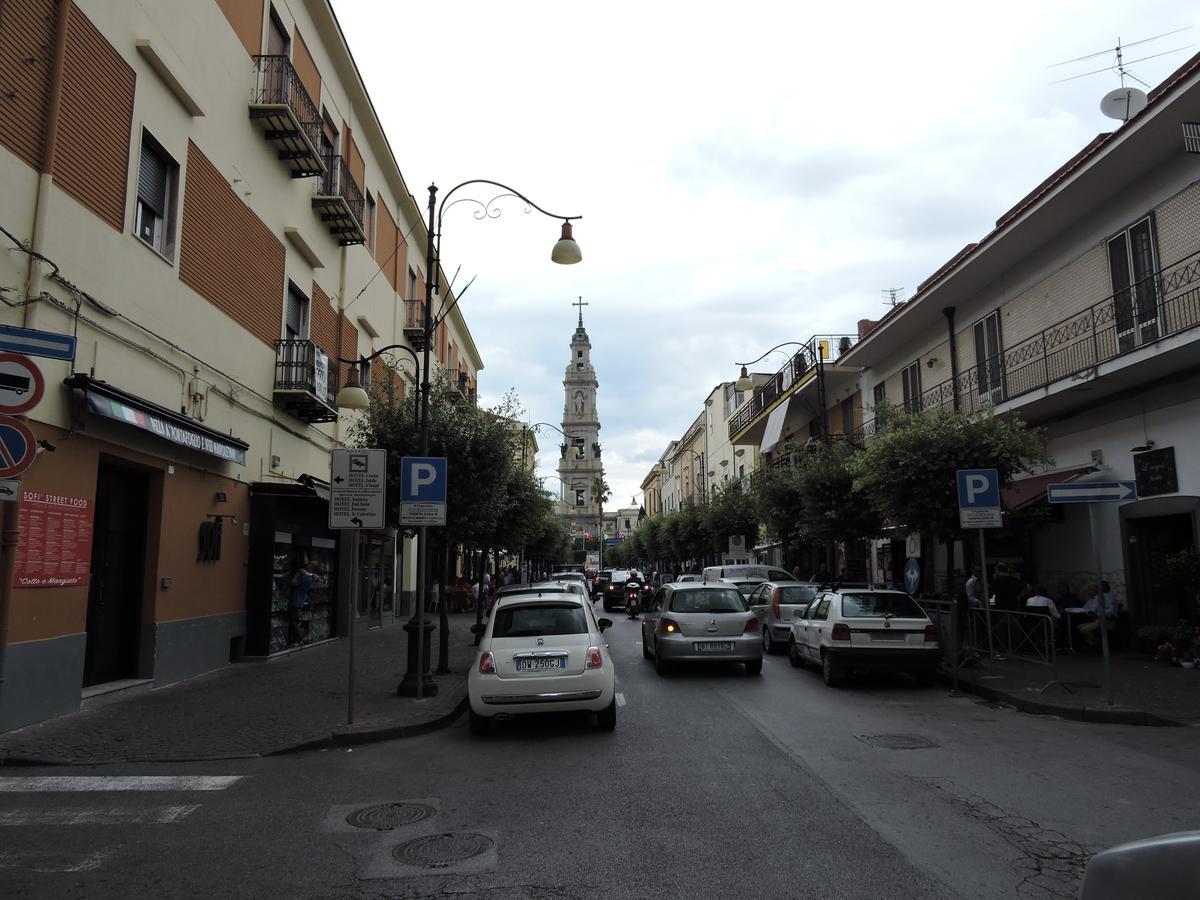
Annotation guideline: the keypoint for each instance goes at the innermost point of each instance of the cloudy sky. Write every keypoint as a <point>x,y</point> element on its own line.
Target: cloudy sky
<point>747,173</point>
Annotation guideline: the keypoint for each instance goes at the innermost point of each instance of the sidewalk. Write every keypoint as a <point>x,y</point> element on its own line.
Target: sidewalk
<point>1145,692</point>
<point>259,708</point>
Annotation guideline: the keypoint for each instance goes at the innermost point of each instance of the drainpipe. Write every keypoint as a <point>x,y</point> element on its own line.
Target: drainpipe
<point>948,312</point>
<point>10,532</point>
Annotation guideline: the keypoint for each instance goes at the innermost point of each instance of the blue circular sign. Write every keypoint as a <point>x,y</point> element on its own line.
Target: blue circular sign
<point>912,575</point>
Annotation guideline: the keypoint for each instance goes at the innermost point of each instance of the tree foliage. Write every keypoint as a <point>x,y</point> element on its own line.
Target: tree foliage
<point>908,468</point>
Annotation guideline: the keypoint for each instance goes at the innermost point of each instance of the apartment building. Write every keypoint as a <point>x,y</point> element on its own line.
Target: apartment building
<point>1079,311</point>
<point>212,208</point>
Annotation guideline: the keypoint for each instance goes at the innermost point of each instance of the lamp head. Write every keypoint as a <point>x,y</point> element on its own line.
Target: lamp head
<point>743,383</point>
<point>566,252</point>
<point>352,396</point>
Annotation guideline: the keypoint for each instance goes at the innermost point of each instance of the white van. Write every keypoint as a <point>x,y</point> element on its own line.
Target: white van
<point>746,573</point>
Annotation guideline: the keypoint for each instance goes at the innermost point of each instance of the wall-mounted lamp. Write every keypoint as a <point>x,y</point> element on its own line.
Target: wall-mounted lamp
<point>1142,448</point>
<point>931,362</point>
<point>220,497</point>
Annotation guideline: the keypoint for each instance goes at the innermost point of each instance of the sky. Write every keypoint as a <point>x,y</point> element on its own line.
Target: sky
<point>747,173</point>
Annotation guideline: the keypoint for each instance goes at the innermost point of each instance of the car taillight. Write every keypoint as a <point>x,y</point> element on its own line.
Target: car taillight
<point>668,626</point>
<point>487,664</point>
<point>931,634</point>
<point>751,625</point>
<point>775,602</point>
<point>841,632</point>
<point>594,659</point>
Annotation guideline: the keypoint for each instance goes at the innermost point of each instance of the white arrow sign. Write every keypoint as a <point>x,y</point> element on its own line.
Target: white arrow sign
<point>1092,492</point>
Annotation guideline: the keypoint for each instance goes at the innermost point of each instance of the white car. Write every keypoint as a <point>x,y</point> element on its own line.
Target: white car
<point>862,628</point>
<point>542,651</point>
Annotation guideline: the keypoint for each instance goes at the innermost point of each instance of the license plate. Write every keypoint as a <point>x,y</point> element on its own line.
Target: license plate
<point>888,636</point>
<point>541,662</point>
<point>714,646</point>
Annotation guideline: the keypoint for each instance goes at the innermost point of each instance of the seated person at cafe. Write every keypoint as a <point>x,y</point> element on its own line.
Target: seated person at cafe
<point>1090,631</point>
<point>1064,597</point>
<point>1040,603</point>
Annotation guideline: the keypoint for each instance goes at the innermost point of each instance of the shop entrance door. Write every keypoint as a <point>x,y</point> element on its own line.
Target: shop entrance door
<point>1154,597</point>
<point>114,614</point>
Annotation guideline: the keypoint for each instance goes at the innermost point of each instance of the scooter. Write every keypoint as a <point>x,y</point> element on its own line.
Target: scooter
<point>633,594</point>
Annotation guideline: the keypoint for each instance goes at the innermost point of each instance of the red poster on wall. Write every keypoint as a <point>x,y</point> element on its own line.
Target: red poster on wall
<point>55,549</point>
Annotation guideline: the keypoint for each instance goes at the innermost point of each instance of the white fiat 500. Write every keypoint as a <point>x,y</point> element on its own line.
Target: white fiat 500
<point>542,651</point>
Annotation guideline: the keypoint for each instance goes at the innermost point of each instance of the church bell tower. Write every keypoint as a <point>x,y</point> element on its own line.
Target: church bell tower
<point>580,464</point>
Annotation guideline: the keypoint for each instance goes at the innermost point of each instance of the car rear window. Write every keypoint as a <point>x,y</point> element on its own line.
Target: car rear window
<point>709,600</point>
<point>539,619</point>
<point>747,587</point>
<point>860,606</point>
<point>796,594</point>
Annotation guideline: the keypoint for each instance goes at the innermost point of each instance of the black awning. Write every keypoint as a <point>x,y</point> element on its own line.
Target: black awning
<point>113,403</point>
<point>298,491</point>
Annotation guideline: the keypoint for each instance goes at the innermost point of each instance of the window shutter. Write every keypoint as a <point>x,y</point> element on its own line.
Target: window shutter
<point>152,180</point>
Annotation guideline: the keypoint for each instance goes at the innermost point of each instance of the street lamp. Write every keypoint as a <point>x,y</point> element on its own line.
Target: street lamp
<point>417,680</point>
<point>353,395</point>
<point>744,383</point>
<point>699,471</point>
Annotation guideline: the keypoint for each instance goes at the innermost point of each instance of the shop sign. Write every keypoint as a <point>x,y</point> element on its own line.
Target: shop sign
<point>174,431</point>
<point>55,549</point>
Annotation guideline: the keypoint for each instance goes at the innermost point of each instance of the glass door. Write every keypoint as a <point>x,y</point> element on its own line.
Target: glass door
<point>988,359</point>
<point>1132,265</point>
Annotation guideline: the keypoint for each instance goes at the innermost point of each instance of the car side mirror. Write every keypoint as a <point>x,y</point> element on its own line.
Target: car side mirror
<point>604,623</point>
<point>478,629</point>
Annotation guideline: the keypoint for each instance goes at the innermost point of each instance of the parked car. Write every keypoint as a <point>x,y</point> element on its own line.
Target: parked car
<point>570,576</point>
<point>700,622</point>
<point>746,572</point>
<point>510,589</point>
<point>542,650</point>
<point>855,628</point>
<point>614,590</point>
<point>777,603</point>
<point>1166,867</point>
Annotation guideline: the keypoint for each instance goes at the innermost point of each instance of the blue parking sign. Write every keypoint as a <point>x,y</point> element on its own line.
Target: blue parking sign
<point>423,479</point>
<point>978,488</point>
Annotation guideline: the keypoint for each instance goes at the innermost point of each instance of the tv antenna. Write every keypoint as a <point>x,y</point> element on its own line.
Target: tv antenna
<point>1120,63</point>
<point>892,295</point>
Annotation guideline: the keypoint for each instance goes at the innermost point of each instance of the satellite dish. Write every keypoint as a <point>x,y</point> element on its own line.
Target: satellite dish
<point>1123,103</point>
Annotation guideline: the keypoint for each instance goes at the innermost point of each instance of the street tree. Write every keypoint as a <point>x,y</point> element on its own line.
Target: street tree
<point>601,493</point>
<point>779,492</point>
<point>831,508</point>
<point>730,512</point>
<point>908,468</point>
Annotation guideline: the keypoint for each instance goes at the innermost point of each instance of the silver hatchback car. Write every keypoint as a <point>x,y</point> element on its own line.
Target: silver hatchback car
<point>777,604</point>
<point>698,622</point>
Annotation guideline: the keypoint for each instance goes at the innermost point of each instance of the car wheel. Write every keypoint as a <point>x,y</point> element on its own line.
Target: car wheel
<point>661,666</point>
<point>831,674</point>
<point>925,677</point>
<point>480,725</point>
<point>754,667</point>
<point>646,654</point>
<point>794,656</point>
<point>607,606</point>
<point>768,640</point>
<point>607,717</point>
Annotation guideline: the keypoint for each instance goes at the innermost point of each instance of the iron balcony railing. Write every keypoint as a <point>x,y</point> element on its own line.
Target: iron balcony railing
<point>278,83</point>
<point>827,348</point>
<point>303,366</point>
<point>1162,304</point>
<point>338,182</point>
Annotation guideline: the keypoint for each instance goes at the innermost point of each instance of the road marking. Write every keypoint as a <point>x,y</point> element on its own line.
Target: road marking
<point>80,783</point>
<point>113,815</point>
<point>620,699</point>
<point>40,861</point>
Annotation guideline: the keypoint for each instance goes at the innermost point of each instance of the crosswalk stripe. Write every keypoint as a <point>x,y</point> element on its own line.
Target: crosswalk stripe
<point>80,783</point>
<point>113,815</point>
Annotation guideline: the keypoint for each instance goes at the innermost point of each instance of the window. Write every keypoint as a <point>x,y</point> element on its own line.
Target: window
<point>1132,266</point>
<point>708,600</point>
<point>627,525</point>
<point>158,180</point>
<point>369,224</point>
<point>862,606</point>
<point>989,360</point>
<point>412,285</point>
<point>579,354</point>
<point>879,394</point>
<point>542,619</point>
<point>579,496</point>
<point>911,378</point>
<point>848,416</point>
<point>295,326</point>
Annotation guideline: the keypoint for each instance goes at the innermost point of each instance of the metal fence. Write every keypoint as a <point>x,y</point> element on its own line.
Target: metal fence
<point>278,83</point>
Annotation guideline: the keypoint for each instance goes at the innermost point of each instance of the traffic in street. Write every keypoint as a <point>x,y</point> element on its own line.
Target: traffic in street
<point>714,783</point>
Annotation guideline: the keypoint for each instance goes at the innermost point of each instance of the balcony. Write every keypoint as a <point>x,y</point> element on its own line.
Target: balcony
<point>306,381</point>
<point>339,200</point>
<point>819,352</point>
<point>414,323</point>
<point>1094,350</point>
<point>285,112</point>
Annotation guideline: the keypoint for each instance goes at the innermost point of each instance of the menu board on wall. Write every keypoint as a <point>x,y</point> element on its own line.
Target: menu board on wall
<point>55,549</point>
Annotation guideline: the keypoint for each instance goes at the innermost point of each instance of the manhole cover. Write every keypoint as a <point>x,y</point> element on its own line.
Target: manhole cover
<point>437,851</point>
<point>387,816</point>
<point>898,741</point>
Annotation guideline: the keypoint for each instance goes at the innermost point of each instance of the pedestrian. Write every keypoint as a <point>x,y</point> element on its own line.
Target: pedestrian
<point>974,589</point>
<point>301,584</point>
<point>796,570</point>
<point>1009,589</point>
<point>474,595</point>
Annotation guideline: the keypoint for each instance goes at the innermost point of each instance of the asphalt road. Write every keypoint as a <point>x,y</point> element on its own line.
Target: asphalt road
<point>715,784</point>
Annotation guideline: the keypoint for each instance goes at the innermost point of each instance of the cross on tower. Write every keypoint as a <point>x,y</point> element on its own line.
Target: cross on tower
<point>581,304</point>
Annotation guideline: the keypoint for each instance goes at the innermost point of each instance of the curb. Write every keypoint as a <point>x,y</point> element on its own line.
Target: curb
<point>1110,715</point>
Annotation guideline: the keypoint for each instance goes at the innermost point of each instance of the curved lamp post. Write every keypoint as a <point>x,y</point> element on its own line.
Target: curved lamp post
<point>417,681</point>
<point>744,383</point>
<point>353,395</point>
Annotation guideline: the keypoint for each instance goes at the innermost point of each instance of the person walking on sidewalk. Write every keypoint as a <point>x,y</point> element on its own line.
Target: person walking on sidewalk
<point>974,589</point>
<point>301,584</point>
